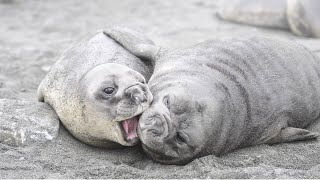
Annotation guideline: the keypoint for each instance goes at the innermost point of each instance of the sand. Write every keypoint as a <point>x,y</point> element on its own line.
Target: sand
<point>34,33</point>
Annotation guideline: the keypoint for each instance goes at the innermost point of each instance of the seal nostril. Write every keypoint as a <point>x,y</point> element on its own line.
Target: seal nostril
<point>155,132</point>
<point>136,94</point>
<point>139,98</point>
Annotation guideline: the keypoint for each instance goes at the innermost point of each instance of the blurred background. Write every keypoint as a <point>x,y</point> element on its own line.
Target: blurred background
<point>34,34</point>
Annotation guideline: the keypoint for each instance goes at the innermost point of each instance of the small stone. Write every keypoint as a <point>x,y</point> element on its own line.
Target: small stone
<point>24,123</point>
<point>315,171</point>
<point>46,68</point>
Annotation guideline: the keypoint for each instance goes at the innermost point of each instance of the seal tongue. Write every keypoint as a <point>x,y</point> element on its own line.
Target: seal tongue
<point>130,127</point>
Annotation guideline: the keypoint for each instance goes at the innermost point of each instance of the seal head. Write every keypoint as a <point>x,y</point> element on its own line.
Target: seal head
<point>113,94</point>
<point>98,89</point>
<point>178,124</point>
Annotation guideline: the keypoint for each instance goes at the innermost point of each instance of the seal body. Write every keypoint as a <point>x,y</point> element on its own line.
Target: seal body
<point>301,17</point>
<point>271,14</point>
<point>97,89</point>
<point>226,94</point>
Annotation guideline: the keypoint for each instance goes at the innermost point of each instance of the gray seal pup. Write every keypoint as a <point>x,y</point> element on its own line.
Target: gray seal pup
<point>271,13</point>
<point>229,93</point>
<point>98,89</point>
<point>301,17</point>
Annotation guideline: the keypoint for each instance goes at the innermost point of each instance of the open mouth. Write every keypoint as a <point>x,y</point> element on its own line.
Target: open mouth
<point>129,128</point>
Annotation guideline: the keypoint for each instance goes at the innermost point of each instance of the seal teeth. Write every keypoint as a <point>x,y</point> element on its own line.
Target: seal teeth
<point>125,126</point>
<point>130,128</point>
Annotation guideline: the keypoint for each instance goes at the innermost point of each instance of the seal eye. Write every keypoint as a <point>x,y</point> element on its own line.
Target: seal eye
<point>181,137</point>
<point>166,101</point>
<point>108,90</point>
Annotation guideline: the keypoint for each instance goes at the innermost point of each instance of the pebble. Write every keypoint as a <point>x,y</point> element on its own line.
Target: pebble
<point>24,123</point>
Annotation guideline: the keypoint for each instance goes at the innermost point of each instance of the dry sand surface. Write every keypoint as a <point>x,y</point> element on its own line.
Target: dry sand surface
<point>34,33</point>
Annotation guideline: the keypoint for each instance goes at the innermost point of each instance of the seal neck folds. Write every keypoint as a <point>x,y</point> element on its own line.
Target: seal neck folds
<point>130,128</point>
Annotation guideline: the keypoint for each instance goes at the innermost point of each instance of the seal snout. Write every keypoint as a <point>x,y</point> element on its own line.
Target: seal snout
<point>153,125</point>
<point>137,93</point>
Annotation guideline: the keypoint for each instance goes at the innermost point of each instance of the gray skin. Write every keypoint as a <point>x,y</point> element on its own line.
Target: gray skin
<point>303,17</point>
<point>270,13</point>
<point>299,16</point>
<point>96,85</point>
<point>226,94</point>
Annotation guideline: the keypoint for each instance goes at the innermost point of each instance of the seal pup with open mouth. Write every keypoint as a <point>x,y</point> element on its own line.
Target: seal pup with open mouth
<point>98,89</point>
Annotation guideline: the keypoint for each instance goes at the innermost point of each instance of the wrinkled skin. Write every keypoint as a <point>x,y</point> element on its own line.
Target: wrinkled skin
<point>130,97</point>
<point>98,89</point>
<point>177,125</point>
<point>222,95</point>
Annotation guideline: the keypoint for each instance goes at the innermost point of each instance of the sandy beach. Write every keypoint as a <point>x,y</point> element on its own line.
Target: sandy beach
<point>34,33</point>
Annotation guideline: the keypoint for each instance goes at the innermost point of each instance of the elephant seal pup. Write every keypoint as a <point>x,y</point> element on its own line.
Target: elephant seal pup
<point>98,89</point>
<point>271,13</point>
<point>230,93</point>
<point>301,17</point>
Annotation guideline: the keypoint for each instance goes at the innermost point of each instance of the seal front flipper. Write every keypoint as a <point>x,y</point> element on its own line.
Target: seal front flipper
<point>135,42</point>
<point>290,134</point>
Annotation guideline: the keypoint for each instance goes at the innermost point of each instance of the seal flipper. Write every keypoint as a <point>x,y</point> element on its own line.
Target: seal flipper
<point>135,42</point>
<point>290,134</point>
